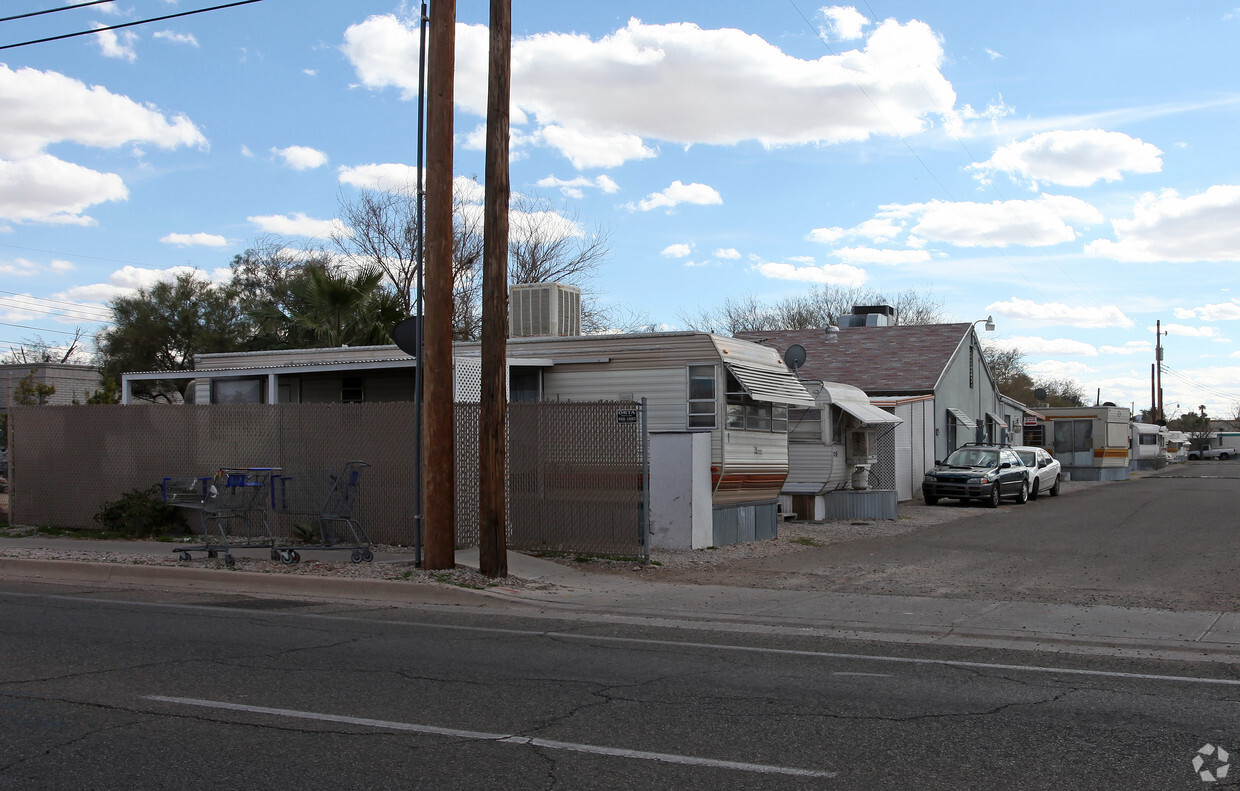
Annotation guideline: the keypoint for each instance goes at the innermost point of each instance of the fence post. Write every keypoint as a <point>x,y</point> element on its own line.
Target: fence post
<point>645,515</point>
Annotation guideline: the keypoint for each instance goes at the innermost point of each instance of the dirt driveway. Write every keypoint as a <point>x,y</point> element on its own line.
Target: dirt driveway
<point>1166,541</point>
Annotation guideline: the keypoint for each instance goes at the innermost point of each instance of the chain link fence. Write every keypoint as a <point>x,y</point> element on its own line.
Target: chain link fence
<point>574,469</point>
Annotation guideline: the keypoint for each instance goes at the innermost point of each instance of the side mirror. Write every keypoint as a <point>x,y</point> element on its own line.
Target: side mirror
<point>937,462</point>
<point>1005,465</point>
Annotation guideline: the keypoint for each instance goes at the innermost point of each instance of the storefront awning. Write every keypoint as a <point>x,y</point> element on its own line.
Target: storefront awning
<point>962,419</point>
<point>998,419</point>
<point>771,385</point>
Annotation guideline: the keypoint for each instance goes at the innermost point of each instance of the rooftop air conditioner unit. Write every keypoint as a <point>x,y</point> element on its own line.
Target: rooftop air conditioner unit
<point>544,310</point>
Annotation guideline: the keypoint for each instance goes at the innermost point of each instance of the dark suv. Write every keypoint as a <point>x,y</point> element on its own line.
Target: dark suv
<point>978,472</point>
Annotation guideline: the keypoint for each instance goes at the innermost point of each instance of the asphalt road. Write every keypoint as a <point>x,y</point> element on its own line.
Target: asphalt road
<point>155,690</point>
<point>1167,541</point>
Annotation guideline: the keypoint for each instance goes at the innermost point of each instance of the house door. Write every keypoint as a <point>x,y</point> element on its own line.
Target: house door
<point>1074,442</point>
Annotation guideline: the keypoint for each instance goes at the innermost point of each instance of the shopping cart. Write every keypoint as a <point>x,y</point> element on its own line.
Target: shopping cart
<point>232,509</point>
<point>329,496</point>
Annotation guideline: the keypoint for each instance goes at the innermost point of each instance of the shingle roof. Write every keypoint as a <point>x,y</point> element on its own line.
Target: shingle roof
<point>880,360</point>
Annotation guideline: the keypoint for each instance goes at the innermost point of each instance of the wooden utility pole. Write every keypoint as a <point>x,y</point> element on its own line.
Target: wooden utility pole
<point>439,441</point>
<point>492,546</point>
<point>1158,357</point>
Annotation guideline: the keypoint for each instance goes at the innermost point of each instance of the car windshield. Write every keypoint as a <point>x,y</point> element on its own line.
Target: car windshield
<point>1029,458</point>
<point>972,457</point>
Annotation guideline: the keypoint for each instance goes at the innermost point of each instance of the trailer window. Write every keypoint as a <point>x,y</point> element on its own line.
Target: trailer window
<point>702,408</point>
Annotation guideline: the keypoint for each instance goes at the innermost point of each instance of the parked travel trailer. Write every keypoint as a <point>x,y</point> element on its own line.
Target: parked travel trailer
<point>735,391</point>
<point>1091,442</point>
<point>1148,446</point>
<point>1176,449</point>
<point>832,447</point>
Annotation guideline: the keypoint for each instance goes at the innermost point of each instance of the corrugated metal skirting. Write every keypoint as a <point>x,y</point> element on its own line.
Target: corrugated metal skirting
<point>854,504</point>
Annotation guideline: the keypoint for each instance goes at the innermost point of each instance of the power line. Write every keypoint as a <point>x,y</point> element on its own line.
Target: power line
<point>54,10</point>
<point>75,305</point>
<point>9,304</point>
<point>128,24</point>
<point>36,329</point>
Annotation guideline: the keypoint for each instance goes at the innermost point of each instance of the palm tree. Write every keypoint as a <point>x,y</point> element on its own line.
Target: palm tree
<point>326,307</point>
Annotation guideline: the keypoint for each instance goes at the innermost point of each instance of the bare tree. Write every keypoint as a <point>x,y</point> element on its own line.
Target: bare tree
<point>382,233</point>
<point>38,350</point>
<point>546,244</point>
<point>819,307</point>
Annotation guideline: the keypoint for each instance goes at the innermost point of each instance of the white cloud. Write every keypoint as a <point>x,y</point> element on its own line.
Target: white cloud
<point>1045,221</point>
<point>598,101</point>
<point>200,239</point>
<point>730,253</point>
<point>1131,347</point>
<point>176,38</point>
<point>44,189</point>
<point>875,255</point>
<point>127,280</point>
<point>1185,331</point>
<point>386,177</point>
<point>844,23</point>
<point>576,187</point>
<point>1077,158</point>
<point>877,230</point>
<point>1222,311</point>
<point>301,157</point>
<point>586,149</point>
<point>677,251</point>
<point>992,54</point>
<point>1058,369</point>
<point>298,224</point>
<point>114,45</point>
<point>1166,227</point>
<point>678,193</point>
<point>43,107</point>
<point>1086,316</point>
<point>830,274</point>
<point>1036,346</point>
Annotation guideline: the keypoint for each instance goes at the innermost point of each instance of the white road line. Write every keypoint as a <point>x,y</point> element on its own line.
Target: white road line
<point>502,738</point>
<point>907,660</point>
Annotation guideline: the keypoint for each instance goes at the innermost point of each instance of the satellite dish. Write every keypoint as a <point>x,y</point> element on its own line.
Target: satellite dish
<point>1040,394</point>
<point>794,357</point>
<point>406,334</point>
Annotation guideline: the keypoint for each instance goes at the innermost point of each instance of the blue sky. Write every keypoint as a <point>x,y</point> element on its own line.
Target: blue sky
<point>1069,169</point>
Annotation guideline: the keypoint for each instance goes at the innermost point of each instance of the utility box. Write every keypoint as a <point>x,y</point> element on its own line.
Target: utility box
<point>544,310</point>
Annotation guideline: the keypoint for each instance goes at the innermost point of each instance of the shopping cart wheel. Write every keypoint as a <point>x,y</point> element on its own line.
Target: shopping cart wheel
<point>275,554</point>
<point>186,557</point>
<point>296,556</point>
<point>367,555</point>
<point>357,556</point>
<point>229,561</point>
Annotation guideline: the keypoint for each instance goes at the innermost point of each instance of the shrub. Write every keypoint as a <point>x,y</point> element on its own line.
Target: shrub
<point>141,514</point>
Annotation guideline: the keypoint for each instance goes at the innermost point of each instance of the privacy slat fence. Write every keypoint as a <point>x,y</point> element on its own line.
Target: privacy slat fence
<point>575,470</point>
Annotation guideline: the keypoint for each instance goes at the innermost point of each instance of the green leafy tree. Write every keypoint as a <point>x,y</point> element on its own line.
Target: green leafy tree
<point>110,393</point>
<point>164,327</point>
<point>28,392</point>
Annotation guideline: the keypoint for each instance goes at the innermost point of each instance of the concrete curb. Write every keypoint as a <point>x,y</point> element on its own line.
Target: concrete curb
<point>242,582</point>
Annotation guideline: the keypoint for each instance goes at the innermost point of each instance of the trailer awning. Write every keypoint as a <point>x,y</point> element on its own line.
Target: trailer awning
<point>868,414</point>
<point>770,384</point>
<point>962,419</point>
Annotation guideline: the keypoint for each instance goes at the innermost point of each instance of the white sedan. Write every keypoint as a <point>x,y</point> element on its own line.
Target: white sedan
<point>1044,470</point>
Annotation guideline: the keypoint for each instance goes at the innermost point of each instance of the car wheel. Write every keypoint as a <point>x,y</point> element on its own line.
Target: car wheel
<point>1223,457</point>
<point>1033,492</point>
<point>992,501</point>
<point>931,500</point>
<point>1055,488</point>
<point>1023,497</point>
